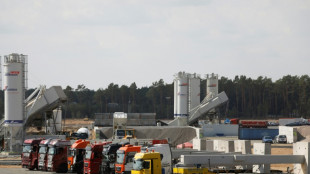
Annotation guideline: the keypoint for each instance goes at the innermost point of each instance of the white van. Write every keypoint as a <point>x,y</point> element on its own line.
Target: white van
<point>280,139</point>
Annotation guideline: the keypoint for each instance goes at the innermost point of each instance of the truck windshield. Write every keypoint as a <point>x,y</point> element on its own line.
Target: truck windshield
<point>52,151</point>
<point>26,148</point>
<point>138,164</point>
<point>88,154</point>
<point>120,157</point>
<point>120,133</point>
<point>43,149</point>
<point>129,132</point>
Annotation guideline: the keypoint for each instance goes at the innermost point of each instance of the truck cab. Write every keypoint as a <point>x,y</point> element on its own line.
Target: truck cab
<point>124,159</point>
<point>125,134</point>
<point>109,157</point>
<point>147,163</point>
<point>76,156</point>
<point>30,153</point>
<point>93,157</point>
<point>57,158</point>
<point>43,154</point>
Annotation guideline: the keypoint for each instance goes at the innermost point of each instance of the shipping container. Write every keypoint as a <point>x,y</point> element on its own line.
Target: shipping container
<point>256,133</point>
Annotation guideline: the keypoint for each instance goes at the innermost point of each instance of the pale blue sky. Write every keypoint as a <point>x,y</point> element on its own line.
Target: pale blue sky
<point>97,42</point>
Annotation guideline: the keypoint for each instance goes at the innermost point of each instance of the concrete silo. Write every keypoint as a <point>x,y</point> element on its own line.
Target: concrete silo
<point>212,84</point>
<point>14,85</point>
<point>186,95</point>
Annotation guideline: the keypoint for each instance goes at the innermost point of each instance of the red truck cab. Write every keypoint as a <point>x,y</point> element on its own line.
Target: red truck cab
<point>93,157</point>
<point>124,159</point>
<point>42,163</point>
<point>57,158</point>
<point>30,153</point>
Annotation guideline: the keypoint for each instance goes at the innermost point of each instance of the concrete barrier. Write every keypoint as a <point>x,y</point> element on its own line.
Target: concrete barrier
<point>290,132</point>
<point>261,149</point>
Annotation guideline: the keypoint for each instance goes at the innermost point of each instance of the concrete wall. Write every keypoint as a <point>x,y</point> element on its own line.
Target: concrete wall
<point>199,144</point>
<point>224,146</point>
<point>133,119</point>
<point>290,132</point>
<point>243,146</point>
<point>220,129</point>
<point>261,149</point>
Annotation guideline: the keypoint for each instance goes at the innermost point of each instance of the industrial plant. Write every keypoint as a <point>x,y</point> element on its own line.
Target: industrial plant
<point>195,141</point>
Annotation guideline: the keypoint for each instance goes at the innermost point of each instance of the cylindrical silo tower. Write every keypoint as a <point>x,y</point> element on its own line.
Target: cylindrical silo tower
<point>186,95</point>
<point>14,85</point>
<point>212,84</point>
<point>194,91</point>
<point>181,95</point>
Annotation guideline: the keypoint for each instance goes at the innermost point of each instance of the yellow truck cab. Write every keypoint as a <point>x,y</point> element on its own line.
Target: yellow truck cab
<point>147,163</point>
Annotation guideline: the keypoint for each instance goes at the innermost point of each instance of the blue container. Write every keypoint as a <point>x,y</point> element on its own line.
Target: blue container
<point>256,133</point>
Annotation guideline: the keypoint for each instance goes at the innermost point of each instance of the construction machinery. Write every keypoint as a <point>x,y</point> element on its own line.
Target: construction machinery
<point>57,159</point>
<point>76,156</point>
<point>30,153</point>
<point>127,133</point>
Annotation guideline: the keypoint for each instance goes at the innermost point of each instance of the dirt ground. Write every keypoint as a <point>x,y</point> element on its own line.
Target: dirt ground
<point>281,151</point>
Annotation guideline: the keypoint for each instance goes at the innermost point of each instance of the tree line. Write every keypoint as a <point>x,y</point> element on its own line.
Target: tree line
<point>259,98</point>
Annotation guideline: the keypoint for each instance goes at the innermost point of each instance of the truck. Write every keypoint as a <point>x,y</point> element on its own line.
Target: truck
<point>253,124</point>
<point>147,163</point>
<point>57,159</point>
<point>76,156</point>
<point>151,163</point>
<point>125,157</point>
<point>93,157</point>
<point>109,158</point>
<point>30,153</point>
<point>127,133</point>
<point>43,154</point>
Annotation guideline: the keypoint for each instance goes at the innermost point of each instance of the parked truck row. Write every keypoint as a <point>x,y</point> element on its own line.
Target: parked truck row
<point>56,155</point>
<point>81,157</point>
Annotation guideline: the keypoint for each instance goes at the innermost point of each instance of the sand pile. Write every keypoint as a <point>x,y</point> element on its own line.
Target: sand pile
<point>303,133</point>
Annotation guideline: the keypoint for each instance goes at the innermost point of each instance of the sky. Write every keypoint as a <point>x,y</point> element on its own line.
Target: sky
<point>98,42</point>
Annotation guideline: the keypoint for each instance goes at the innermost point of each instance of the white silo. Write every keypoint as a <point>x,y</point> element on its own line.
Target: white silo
<point>212,84</point>
<point>14,85</point>
<point>194,91</point>
<point>181,95</point>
